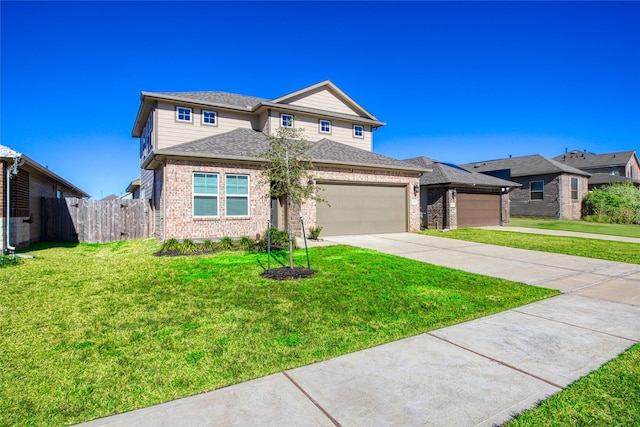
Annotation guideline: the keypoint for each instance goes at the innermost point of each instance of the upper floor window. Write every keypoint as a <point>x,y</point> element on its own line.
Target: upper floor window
<point>574,188</point>
<point>325,126</point>
<point>358,131</point>
<point>537,190</point>
<point>237,190</point>
<point>209,118</point>
<point>205,194</point>
<point>286,120</point>
<point>183,114</point>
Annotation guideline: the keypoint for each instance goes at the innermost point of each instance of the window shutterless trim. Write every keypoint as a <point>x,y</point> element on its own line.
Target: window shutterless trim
<point>236,196</point>
<point>207,195</point>
<point>320,123</point>
<point>189,109</point>
<point>355,134</point>
<point>532,191</point>
<point>215,118</point>
<point>282,120</point>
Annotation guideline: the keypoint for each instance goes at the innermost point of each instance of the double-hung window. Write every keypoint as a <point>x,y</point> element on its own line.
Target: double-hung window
<point>183,114</point>
<point>286,120</point>
<point>537,190</point>
<point>205,194</point>
<point>325,126</point>
<point>574,188</point>
<point>209,118</point>
<point>237,191</point>
<point>358,131</point>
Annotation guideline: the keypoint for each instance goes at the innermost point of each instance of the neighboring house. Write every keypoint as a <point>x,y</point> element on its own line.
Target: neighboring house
<point>605,169</point>
<point>453,197</point>
<point>22,206</point>
<point>550,189</point>
<point>200,171</point>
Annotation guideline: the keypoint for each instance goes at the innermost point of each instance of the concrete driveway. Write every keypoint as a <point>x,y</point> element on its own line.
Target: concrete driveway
<point>477,373</point>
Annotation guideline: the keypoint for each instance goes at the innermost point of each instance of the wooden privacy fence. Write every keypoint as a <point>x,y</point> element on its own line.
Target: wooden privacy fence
<point>94,221</point>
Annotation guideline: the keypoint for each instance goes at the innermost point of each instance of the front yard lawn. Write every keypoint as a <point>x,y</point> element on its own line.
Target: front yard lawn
<point>590,248</point>
<point>624,230</point>
<point>93,330</point>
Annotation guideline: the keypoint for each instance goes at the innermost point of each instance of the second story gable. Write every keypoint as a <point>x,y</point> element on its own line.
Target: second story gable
<point>166,119</point>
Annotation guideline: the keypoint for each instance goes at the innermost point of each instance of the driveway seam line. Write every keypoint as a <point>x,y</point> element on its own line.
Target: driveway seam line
<point>324,411</point>
<point>515,368</point>
<point>574,325</point>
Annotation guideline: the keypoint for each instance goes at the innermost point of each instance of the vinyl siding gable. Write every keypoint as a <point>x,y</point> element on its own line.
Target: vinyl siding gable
<point>323,99</point>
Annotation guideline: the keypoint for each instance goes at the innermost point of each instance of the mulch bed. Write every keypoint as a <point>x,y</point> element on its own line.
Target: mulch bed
<point>286,273</point>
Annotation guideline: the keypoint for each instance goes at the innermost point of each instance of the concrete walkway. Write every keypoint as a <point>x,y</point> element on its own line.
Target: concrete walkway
<point>562,233</point>
<point>477,373</point>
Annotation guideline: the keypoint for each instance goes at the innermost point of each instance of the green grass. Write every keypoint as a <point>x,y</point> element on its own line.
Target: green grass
<point>92,330</point>
<point>590,248</point>
<point>623,230</point>
<point>609,396</point>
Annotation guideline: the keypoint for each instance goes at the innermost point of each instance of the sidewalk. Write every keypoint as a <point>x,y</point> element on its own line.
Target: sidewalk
<point>477,373</point>
<point>562,233</point>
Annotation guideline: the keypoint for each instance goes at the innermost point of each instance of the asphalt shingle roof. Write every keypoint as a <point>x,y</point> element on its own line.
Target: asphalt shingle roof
<point>534,164</point>
<point>246,144</point>
<point>444,174</point>
<point>605,178</point>
<point>215,98</point>
<point>582,160</point>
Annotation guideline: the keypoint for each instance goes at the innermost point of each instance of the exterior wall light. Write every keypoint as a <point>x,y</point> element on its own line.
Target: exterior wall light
<point>416,189</point>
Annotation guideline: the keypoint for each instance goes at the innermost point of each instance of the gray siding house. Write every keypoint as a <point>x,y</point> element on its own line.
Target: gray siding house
<point>605,169</point>
<point>550,189</point>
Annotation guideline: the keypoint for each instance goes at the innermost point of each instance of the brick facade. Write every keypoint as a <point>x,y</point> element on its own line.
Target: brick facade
<point>572,208</point>
<point>177,205</point>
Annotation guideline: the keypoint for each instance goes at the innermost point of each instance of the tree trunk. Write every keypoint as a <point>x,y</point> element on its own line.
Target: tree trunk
<point>290,231</point>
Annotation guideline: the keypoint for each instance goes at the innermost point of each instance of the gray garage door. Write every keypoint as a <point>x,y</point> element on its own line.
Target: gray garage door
<point>477,210</point>
<point>362,209</point>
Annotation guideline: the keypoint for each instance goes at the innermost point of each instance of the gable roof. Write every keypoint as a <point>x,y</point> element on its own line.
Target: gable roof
<point>449,174</point>
<point>9,155</point>
<point>534,164</point>
<point>585,160</point>
<point>251,104</point>
<point>246,144</point>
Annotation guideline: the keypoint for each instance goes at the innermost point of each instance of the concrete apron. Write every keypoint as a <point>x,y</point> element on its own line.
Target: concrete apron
<point>480,372</point>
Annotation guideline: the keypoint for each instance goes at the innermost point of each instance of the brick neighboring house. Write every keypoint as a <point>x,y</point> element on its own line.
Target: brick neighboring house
<point>32,182</point>
<point>453,197</point>
<point>200,171</point>
<point>550,189</point>
<point>605,169</point>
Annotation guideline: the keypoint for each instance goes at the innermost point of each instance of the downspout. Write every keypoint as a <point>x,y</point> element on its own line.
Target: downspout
<point>11,172</point>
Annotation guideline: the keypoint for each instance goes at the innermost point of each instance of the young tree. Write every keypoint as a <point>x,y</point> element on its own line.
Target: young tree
<point>288,172</point>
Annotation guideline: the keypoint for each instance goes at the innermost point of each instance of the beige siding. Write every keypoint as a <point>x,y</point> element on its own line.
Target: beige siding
<point>171,132</point>
<point>340,131</point>
<point>323,99</point>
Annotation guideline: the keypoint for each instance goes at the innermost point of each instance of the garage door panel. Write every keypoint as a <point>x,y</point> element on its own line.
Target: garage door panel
<point>477,210</point>
<point>359,209</point>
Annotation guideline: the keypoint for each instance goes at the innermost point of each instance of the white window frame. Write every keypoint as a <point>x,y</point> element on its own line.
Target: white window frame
<point>282,120</point>
<point>320,123</point>
<point>215,117</point>
<point>577,181</point>
<point>531,190</point>
<point>209,195</point>
<point>355,133</point>
<point>178,119</point>
<point>237,196</point>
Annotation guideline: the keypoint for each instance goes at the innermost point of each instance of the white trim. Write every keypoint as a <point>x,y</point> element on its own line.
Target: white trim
<point>541,191</point>
<point>178,119</point>
<point>215,117</point>
<point>320,122</point>
<point>237,196</point>
<point>194,194</point>
<point>282,116</point>
<point>355,135</point>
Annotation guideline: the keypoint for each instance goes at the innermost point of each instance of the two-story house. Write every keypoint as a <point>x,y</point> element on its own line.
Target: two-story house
<point>605,169</point>
<point>200,171</point>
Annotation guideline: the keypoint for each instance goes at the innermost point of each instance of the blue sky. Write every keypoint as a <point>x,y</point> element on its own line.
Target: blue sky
<point>455,81</point>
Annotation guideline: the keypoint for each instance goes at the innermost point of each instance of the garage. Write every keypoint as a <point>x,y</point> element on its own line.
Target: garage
<point>478,210</point>
<point>362,209</point>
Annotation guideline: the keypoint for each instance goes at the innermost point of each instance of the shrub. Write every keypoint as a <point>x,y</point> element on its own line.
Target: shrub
<point>6,260</point>
<point>209,245</point>
<point>618,203</point>
<point>226,243</point>
<point>245,243</point>
<point>279,240</point>
<point>314,232</point>
<point>171,245</point>
<point>187,246</point>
